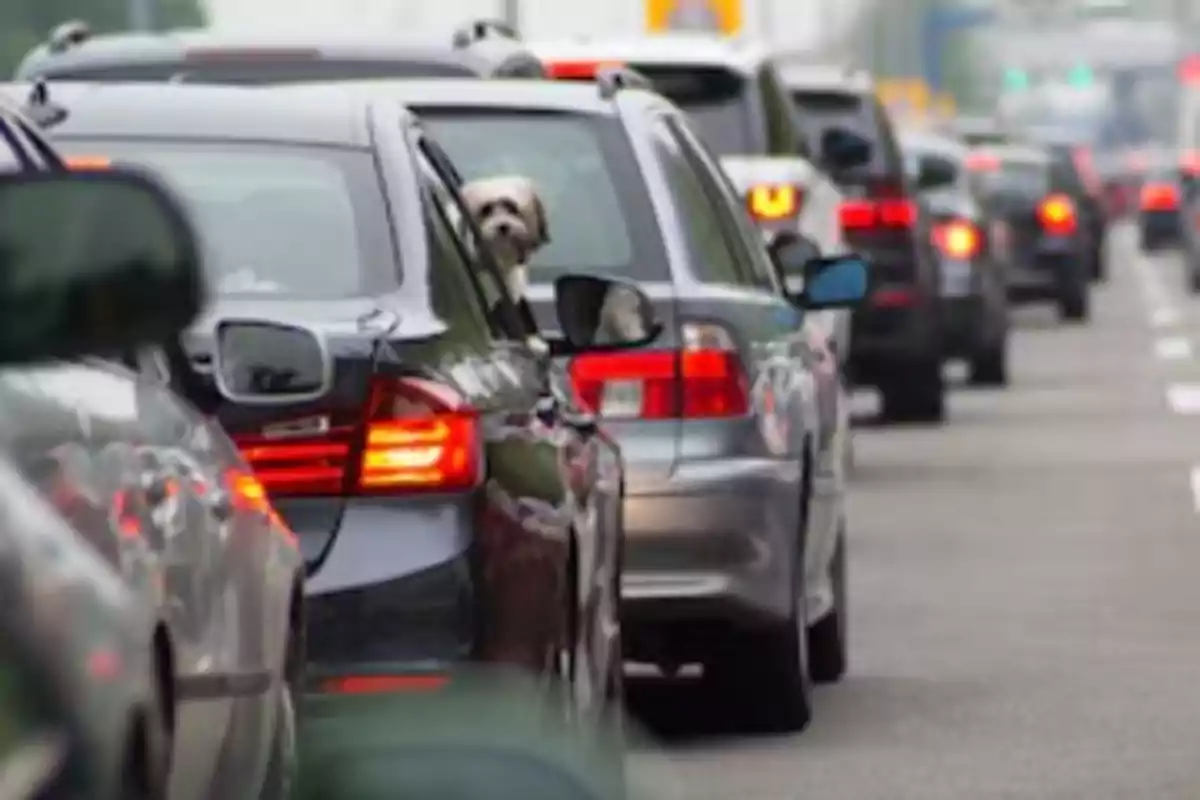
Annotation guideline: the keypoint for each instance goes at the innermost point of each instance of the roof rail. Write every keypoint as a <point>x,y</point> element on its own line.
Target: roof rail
<point>480,29</point>
<point>67,35</point>
<point>613,78</point>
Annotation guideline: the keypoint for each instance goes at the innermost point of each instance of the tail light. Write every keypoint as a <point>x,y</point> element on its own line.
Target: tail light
<point>1190,163</point>
<point>417,436</point>
<point>577,70</point>
<point>958,239</point>
<point>771,203</point>
<point>704,379</point>
<point>1086,166</point>
<point>1159,197</point>
<point>862,215</point>
<point>982,162</point>
<point>88,163</point>
<point>1056,214</point>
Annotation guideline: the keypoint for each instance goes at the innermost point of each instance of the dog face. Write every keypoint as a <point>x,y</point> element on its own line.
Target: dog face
<point>511,217</point>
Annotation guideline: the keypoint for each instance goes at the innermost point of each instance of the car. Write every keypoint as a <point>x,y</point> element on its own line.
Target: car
<point>1159,199</point>
<point>735,553</point>
<point>977,131</point>
<point>450,507</point>
<point>974,287</point>
<point>83,696</point>
<point>1074,172</point>
<point>163,494</point>
<point>1042,242</point>
<point>896,345</point>
<point>72,52</point>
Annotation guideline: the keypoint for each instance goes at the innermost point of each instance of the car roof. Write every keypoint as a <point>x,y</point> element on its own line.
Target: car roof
<point>581,97</point>
<point>170,111</point>
<point>1015,152</point>
<point>125,48</point>
<point>666,49</point>
<point>824,76</point>
<point>932,141</point>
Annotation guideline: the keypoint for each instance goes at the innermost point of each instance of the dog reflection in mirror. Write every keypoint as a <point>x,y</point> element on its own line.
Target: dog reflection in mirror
<point>620,319</point>
<point>512,220</point>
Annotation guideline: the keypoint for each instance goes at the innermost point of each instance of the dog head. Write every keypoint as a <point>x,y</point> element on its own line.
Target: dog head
<point>510,215</point>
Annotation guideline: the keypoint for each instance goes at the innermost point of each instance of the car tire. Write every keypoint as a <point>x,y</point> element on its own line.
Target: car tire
<point>1193,277</point>
<point>282,762</point>
<point>917,394</point>
<point>989,367</point>
<point>1073,304</point>
<point>147,769</point>
<point>827,658</point>
<point>1099,272</point>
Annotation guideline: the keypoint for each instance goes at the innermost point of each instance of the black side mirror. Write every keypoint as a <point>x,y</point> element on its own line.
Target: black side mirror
<point>843,149</point>
<point>92,263</point>
<point>260,362</point>
<point>936,173</point>
<point>791,253</point>
<point>598,314</point>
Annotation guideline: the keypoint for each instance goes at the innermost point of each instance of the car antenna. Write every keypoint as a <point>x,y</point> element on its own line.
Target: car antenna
<point>40,108</point>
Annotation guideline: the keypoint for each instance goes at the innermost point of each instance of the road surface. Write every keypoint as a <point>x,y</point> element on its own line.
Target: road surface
<point>1025,585</point>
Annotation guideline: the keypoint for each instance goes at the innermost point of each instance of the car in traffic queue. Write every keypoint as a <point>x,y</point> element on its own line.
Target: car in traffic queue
<point>1073,171</point>
<point>977,131</point>
<point>72,52</point>
<point>735,553</point>
<point>974,289</point>
<point>155,489</point>
<point>1160,197</point>
<point>896,344</point>
<point>449,506</point>
<point>1038,234</point>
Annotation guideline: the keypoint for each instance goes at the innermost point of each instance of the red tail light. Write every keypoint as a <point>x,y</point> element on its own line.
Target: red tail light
<point>771,203</point>
<point>418,436</point>
<point>703,380</point>
<point>982,162</point>
<point>1056,214</point>
<point>577,70</point>
<point>958,239</point>
<point>859,215</point>
<point>1159,197</point>
<point>1190,163</point>
<point>1086,167</point>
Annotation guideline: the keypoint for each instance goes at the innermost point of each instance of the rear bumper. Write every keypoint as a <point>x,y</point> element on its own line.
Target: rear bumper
<point>964,326</point>
<point>883,337</point>
<point>1045,273</point>
<point>1159,228</point>
<point>714,542</point>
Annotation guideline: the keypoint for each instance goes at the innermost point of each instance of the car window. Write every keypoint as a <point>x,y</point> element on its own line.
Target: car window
<point>1064,176</point>
<point>743,237</point>
<point>718,100</point>
<point>822,109</point>
<point>579,165</point>
<point>1028,179</point>
<point>711,257</point>
<point>784,137</point>
<point>274,219</point>
<point>224,69</point>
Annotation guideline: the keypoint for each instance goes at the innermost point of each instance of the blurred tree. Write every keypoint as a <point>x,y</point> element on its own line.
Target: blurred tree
<point>25,23</point>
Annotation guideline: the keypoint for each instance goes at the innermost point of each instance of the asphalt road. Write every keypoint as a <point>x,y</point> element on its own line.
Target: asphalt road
<point>1025,585</point>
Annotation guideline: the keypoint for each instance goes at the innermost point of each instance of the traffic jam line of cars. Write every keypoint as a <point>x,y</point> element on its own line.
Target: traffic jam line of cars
<point>526,355</point>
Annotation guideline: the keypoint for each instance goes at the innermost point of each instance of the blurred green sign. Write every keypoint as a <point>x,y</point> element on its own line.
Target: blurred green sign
<point>1016,80</point>
<point>1080,76</point>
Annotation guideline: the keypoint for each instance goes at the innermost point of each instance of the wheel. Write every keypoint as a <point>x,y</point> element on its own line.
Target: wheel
<point>989,367</point>
<point>827,637</point>
<point>1099,272</point>
<point>281,766</point>
<point>917,394</point>
<point>1073,304</point>
<point>147,768</point>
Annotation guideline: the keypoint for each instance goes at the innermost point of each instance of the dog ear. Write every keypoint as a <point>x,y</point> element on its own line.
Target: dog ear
<point>543,229</point>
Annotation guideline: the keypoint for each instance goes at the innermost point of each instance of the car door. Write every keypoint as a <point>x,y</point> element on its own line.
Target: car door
<point>542,461</point>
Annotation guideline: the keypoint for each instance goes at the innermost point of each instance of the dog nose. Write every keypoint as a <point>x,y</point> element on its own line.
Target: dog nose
<point>504,229</point>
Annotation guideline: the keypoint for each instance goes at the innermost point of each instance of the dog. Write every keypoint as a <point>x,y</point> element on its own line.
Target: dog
<point>620,319</point>
<point>512,220</point>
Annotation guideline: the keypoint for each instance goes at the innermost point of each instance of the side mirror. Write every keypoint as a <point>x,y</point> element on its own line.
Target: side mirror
<point>936,173</point>
<point>792,253</point>
<point>92,263</point>
<point>599,314</point>
<point>843,149</point>
<point>837,282</point>
<point>259,362</point>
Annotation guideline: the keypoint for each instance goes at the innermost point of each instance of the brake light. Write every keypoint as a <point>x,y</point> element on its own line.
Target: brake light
<point>88,163</point>
<point>704,379</point>
<point>1056,214</point>
<point>771,203</point>
<point>1159,197</point>
<point>958,239</point>
<point>1190,162</point>
<point>577,70</point>
<point>858,215</point>
<point>418,436</point>
<point>982,162</point>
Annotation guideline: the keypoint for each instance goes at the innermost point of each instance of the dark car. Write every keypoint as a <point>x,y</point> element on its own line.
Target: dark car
<point>449,505</point>
<point>84,699</point>
<point>481,49</point>
<point>1073,172</point>
<point>974,289</point>
<point>896,342</point>
<point>158,491</point>
<point>719,420</point>
<point>1160,198</point>
<point>1039,236</point>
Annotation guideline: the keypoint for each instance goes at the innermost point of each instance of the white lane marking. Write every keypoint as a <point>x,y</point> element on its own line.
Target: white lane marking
<point>1173,348</point>
<point>1164,317</point>
<point>1184,398</point>
<point>1195,482</point>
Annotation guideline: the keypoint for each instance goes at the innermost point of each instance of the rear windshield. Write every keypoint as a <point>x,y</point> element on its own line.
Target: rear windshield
<point>598,214</point>
<point>717,100</point>
<point>1027,179</point>
<point>273,219</point>
<point>821,110</point>
<point>252,70</point>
